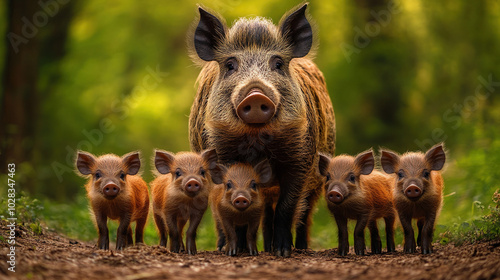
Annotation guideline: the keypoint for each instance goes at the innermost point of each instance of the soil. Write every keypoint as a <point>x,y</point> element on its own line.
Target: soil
<point>52,256</point>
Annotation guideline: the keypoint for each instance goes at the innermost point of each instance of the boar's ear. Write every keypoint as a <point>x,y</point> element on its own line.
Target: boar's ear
<point>389,160</point>
<point>436,157</point>
<point>295,28</point>
<point>217,173</point>
<point>133,162</point>
<point>365,162</point>
<point>208,35</point>
<point>264,170</point>
<point>210,157</point>
<point>323,163</point>
<point>85,162</point>
<point>163,161</point>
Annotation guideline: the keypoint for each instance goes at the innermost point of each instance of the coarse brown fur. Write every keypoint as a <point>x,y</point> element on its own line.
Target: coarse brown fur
<point>239,181</point>
<point>130,205</point>
<point>422,171</point>
<point>303,124</point>
<point>366,196</point>
<point>173,205</point>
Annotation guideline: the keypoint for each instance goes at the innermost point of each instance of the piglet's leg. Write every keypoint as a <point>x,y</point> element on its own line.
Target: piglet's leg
<point>343,234</point>
<point>194,222</point>
<point>102,226</point>
<point>427,232</point>
<point>121,234</point>
<point>359,235</point>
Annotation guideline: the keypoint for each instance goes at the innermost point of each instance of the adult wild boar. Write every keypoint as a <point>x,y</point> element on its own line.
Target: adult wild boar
<point>259,98</point>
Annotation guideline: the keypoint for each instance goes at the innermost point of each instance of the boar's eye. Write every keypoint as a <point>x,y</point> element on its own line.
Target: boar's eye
<point>352,178</point>
<point>98,175</point>
<point>202,172</point>
<point>229,185</point>
<point>178,173</point>
<point>277,64</point>
<point>231,66</point>
<point>122,176</point>
<point>401,174</point>
<point>426,174</point>
<point>253,185</point>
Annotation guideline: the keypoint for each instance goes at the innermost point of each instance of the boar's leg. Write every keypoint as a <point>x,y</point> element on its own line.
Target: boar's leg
<point>173,233</point>
<point>389,232</point>
<point>291,183</point>
<point>121,234</point>
<point>359,235</point>
<point>341,221</point>
<point>302,231</point>
<point>409,243</point>
<point>162,229</point>
<point>251,237</point>
<point>267,227</point>
<point>376,243</point>
<point>102,226</point>
<point>420,224</point>
<point>194,222</point>
<point>427,232</point>
<point>130,236</point>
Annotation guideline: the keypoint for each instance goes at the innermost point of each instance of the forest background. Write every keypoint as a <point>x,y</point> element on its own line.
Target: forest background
<point>115,76</point>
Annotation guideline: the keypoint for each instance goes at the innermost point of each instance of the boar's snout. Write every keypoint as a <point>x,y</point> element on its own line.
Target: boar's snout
<point>192,186</point>
<point>413,191</point>
<point>256,108</point>
<point>110,190</point>
<point>241,203</point>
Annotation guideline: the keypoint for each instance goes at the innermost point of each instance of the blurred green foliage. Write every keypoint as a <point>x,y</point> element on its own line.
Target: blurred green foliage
<point>419,73</point>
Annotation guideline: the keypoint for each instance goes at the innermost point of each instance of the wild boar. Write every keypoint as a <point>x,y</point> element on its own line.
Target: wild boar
<point>259,97</point>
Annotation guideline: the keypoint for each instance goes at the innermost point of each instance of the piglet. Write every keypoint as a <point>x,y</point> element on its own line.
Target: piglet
<point>238,203</point>
<point>353,191</point>
<point>418,192</point>
<point>180,194</point>
<point>116,192</point>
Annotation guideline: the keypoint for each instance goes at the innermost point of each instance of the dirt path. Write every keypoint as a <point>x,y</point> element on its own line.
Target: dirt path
<point>52,256</point>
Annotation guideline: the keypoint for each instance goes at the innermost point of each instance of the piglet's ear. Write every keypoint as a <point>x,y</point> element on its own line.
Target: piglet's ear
<point>389,161</point>
<point>210,157</point>
<point>365,162</point>
<point>436,157</point>
<point>217,173</point>
<point>264,170</point>
<point>208,35</point>
<point>295,28</point>
<point>163,161</point>
<point>323,163</point>
<point>133,162</point>
<point>84,162</point>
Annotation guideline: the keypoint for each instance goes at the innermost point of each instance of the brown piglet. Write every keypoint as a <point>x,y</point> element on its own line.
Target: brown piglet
<point>180,194</point>
<point>237,203</point>
<point>116,192</point>
<point>354,191</point>
<point>418,192</point>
